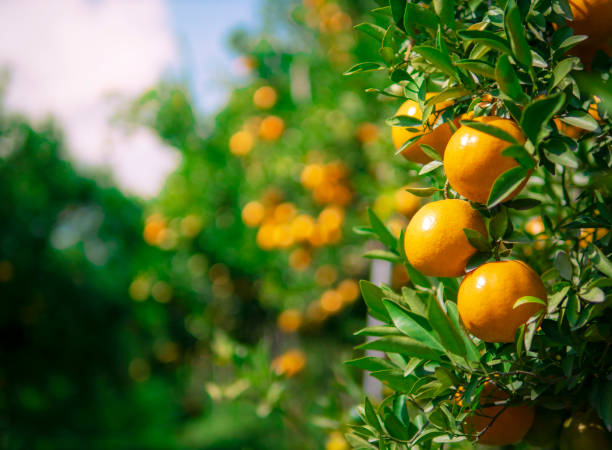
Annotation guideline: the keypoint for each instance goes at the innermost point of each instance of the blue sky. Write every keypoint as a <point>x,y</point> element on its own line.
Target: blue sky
<point>202,28</point>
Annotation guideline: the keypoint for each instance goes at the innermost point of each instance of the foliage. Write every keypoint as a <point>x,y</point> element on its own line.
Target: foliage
<point>513,60</point>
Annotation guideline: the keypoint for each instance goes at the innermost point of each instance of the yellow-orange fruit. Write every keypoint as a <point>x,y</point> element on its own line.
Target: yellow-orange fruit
<point>241,143</point>
<point>588,235</point>
<point>487,295</point>
<point>535,227</point>
<point>289,363</point>
<point>591,18</point>
<point>271,128</point>
<point>436,138</point>
<point>435,242</point>
<point>289,320</point>
<point>367,132</point>
<point>473,160</point>
<point>265,97</point>
<point>253,213</point>
<point>508,426</point>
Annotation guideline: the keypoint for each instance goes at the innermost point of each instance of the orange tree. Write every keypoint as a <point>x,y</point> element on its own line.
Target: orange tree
<point>507,107</point>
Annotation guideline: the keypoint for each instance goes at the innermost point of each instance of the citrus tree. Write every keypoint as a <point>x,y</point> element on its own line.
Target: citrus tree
<point>503,334</point>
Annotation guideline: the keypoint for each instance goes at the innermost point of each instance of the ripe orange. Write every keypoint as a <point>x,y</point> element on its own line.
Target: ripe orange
<point>436,138</point>
<point>265,97</point>
<point>535,227</point>
<point>487,295</point>
<point>271,128</point>
<point>367,132</point>
<point>592,18</point>
<point>289,320</point>
<point>253,213</point>
<point>473,160</point>
<point>584,431</point>
<point>588,235</point>
<point>509,427</point>
<point>241,143</point>
<point>289,363</point>
<point>435,243</point>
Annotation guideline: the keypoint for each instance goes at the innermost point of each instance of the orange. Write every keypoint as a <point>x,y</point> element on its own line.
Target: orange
<point>473,160</point>
<point>576,132</point>
<point>289,363</point>
<point>312,176</point>
<point>253,213</point>
<point>265,97</point>
<point>405,202</point>
<point>487,295</point>
<point>289,320</point>
<point>241,143</point>
<point>436,138</point>
<point>509,427</point>
<point>348,290</point>
<point>331,301</point>
<point>271,128</point>
<point>535,227</point>
<point>584,431</point>
<point>302,227</point>
<point>588,235</point>
<point>592,18</point>
<point>435,243</point>
<point>367,132</point>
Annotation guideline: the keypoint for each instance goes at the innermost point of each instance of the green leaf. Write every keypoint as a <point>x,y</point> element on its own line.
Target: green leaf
<point>476,260</point>
<point>557,151</point>
<point>370,29</point>
<point>471,349</point>
<point>416,15</point>
<point>498,224</point>
<point>538,114</point>
<point>404,346</point>
<point>478,67</point>
<point>412,325</point>
<point>372,296</point>
<point>444,329</point>
<point>506,184</point>
<point>423,192</point>
<point>528,299</point>
<point>445,9</point>
<point>381,230</point>
<point>431,152</point>
<point>508,81</point>
<point>358,442</point>
<point>486,38</point>
<point>564,265</point>
<point>477,240</point>
<point>592,295</point>
<point>489,129</point>
<point>397,11</point>
<point>447,94</point>
<point>522,203</point>
<point>396,428</point>
<point>515,30</point>
<point>408,143</point>
<point>521,155</point>
<point>561,70</point>
<point>370,363</point>
<point>384,255</point>
<point>364,67</point>
<point>439,60</point>
<point>371,416</point>
<point>430,167</point>
<point>378,330</point>
<point>581,119</point>
<point>599,259</point>
<point>404,121</point>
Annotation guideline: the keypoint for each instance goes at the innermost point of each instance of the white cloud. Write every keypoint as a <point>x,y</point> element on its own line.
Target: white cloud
<point>78,60</point>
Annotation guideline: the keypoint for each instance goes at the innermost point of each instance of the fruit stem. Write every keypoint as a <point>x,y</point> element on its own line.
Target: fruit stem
<point>446,189</point>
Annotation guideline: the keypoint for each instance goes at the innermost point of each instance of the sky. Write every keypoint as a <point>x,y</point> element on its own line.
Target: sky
<point>79,61</point>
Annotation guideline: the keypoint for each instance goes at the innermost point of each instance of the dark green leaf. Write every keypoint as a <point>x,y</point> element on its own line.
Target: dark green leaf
<point>581,119</point>
<point>486,38</point>
<point>370,363</point>
<point>397,11</point>
<point>404,121</point>
<point>439,60</point>
<point>404,346</point>
<point>371,416</point>
<point>364,67</point>
<point>508,80</point>
<point>599,259</point>
<point>396,428</point>
<point>498,224</point>
<point>478,67</point>
<point>515,31</point>
<point>445,9</point>
<point>411,324</point>
<point>521,155</point>
<point>538,114</point>
<point>561,70</point>
<point>416,15</point>
<point>444,329</point>
<point>381,230</point>
<point>476,260</point>
<point>423,192</point>
<point>522,203</point>
<point>564,265</point>
<point>372,296</point>
<point>506,184</point>
<point>378,330</point>
<point>431,152</point>
<point>370,29</point>
<point>453,314</point>
<point>477,240</point>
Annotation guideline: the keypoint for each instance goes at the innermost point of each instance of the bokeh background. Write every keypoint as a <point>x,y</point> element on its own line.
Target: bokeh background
<point>181,189</point>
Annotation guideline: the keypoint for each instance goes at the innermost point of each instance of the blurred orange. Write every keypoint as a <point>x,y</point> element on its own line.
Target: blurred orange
<point>302,227</point>
<point>284,212</point>
<point>241,143</point>
<point>535,227</point>
<point>265,237</point>
<point>330,218</point>
<point>265,97</point>
<point>154,229</point>
<point>282,235</point>
<point>271,128</point>
<point>588,235</point>
<point>326,275</point>
<point>299,259</point>
<point>367,132</point>
<point>396,226</point>
<point>331,301</point>
<point>253,213</point>
<point>348,290</point>
<point>405,202</point>
<point>289,363</point>
<point>289,320</point>
<point>312,176</point>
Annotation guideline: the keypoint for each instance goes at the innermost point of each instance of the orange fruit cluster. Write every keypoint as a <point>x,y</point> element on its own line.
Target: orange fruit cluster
<point>327,17</point>
<point>328,183</point>
<point>160,232</point>
<point>333,301</point>
<point>280,226</point>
